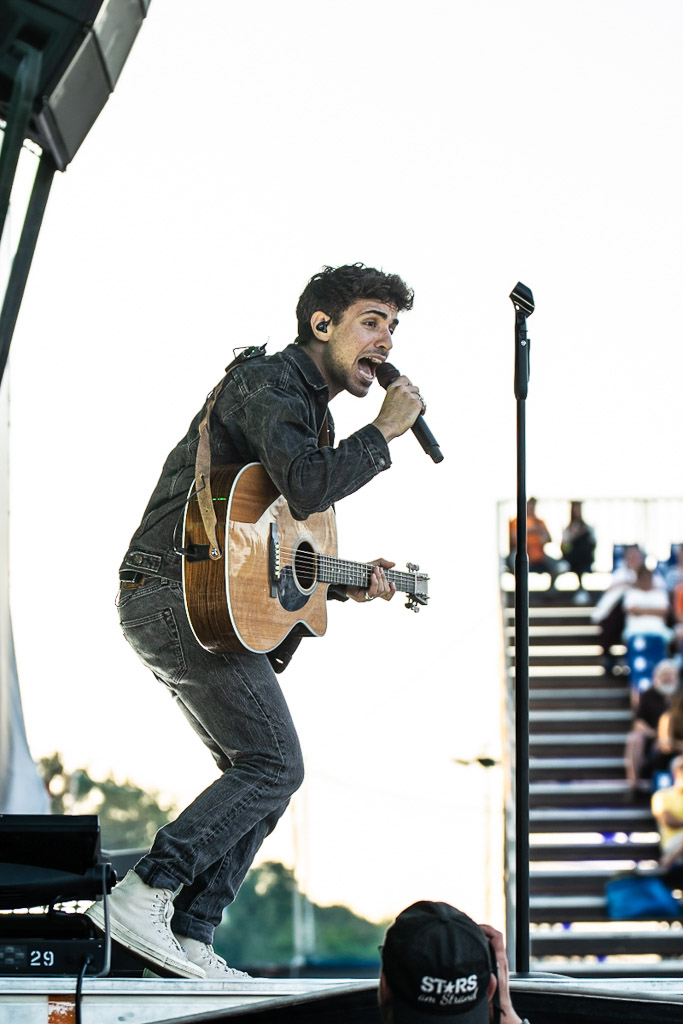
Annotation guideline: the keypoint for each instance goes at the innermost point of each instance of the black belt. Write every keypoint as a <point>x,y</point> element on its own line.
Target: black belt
<point>132,576</point>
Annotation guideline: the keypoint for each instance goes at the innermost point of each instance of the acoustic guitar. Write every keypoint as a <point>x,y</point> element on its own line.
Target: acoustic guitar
<point>274,572</point>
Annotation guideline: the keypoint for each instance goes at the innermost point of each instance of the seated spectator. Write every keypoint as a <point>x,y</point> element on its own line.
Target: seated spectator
<point>537,536</point>
<point>667,807</point>
<point>646,608</point>
<point>670,729</point>
<point>642,755</point>
<point>439,966</point>
<point>677,609</point>
<point>578,547</point>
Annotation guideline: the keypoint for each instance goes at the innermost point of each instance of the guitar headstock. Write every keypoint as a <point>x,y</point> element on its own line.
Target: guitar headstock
<point>418,595</point>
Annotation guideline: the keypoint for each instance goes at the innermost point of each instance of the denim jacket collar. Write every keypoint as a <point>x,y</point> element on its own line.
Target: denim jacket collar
<point>301,359</point>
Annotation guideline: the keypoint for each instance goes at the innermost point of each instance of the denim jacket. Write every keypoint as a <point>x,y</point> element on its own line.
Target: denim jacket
<point>270,410</point>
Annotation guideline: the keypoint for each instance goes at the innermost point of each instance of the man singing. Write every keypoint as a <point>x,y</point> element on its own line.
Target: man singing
<point>272,410</point>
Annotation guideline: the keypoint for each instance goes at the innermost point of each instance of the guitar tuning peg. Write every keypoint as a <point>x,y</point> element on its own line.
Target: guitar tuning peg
<point>412,567</point>
<point>412,605</point>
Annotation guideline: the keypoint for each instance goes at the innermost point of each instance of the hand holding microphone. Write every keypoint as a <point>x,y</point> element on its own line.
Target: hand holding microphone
<point>386,375</point>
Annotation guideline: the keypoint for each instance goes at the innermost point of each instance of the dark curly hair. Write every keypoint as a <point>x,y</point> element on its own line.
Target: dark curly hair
<point>334,289</point>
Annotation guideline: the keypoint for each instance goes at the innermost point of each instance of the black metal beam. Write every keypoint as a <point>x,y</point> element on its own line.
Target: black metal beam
<point>24,255</point>
<point>23,94</point>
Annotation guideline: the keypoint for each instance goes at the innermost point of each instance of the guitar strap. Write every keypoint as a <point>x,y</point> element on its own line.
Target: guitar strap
<point>202,466</point>
<point>202,476</point>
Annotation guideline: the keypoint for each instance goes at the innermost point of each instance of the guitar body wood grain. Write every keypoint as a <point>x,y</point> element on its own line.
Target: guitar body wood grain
<point>228,601</point>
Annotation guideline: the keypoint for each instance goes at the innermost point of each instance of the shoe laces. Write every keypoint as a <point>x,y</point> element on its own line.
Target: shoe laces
<point>162,912</point>
<point>212,958</point>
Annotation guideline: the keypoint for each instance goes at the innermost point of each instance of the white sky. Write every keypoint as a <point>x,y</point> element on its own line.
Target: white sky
<point>465,145</point>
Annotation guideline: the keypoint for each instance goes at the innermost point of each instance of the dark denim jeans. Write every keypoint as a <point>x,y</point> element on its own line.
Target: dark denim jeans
<point>234,703</point>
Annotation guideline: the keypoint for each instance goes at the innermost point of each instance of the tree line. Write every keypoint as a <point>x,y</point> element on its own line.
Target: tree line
<point>272,928</point>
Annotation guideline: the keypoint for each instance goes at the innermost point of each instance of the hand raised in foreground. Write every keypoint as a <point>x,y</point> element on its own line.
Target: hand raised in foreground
<point>508,1015</point>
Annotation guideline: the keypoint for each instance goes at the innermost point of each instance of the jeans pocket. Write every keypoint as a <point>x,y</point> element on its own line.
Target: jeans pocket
<point>156,640</point>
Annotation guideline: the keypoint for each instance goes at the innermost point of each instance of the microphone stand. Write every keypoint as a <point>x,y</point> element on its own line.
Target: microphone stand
<point>523,302</point>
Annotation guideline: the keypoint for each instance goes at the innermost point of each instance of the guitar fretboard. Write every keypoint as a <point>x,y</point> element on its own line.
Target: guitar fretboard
<point>357,574</point>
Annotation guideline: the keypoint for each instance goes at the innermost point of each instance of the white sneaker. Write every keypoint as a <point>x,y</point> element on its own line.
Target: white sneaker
<point>139,919</point>
<point>214,966</point>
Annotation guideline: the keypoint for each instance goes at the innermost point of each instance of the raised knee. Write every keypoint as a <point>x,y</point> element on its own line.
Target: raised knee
<point>284,773</point>
<point>296,773</point>
<point>291,773</point>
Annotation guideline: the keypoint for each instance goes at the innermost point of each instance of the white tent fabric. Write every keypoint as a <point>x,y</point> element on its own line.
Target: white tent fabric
<point>22,791</point>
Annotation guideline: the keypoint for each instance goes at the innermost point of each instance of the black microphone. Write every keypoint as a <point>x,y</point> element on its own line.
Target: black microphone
<point>386,373</point>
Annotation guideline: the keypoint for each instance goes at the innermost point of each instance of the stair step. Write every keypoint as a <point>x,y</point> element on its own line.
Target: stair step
<point>545,769</point>
<point>577,794</point>
<point>566,671</point>
<point>568,683</point>
<point>663,968</point>
<point>573,671</point>
<point>636,851</point>
<point>574,880</point>
<point>559,744</point>
<point>601,699</point>
<point>561,909</point>
<point>580,721</point>
<point>557,695</point>
<point>553,599</point>
<point>559,636</point>
<point>579,615</point>
<point>662,942</point>
<point>586,654</point>
<point>605,820</point>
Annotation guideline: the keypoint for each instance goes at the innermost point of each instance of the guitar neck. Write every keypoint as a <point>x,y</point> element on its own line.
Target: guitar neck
<point>357,574</point>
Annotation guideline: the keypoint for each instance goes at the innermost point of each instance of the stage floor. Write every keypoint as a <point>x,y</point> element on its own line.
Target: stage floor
<point>155,1000</point>
<point>544,999</point>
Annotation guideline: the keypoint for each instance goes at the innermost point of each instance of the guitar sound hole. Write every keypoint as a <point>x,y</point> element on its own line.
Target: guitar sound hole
<point>304,565</point>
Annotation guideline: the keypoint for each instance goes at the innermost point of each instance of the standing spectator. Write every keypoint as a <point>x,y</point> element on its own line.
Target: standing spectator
<point>578,547</point>
<point>609,612</point>
<point>439,967</point>
<point>537,536</point>
<point>647,634</point>
<point>642,752</point>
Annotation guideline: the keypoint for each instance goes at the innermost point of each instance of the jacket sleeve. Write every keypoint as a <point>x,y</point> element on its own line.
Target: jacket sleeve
<point>282,434</point>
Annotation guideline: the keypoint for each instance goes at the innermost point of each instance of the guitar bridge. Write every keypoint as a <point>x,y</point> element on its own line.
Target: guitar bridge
<point>274,565</point>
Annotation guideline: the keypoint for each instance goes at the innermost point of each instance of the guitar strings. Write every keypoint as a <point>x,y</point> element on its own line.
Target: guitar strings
<point>338,567</point>
<point>308,558</point>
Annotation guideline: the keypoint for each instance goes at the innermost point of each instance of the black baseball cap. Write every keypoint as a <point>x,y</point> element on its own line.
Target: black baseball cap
<point>438,964</point>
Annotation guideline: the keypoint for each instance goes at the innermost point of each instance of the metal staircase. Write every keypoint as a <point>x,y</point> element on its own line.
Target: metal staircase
<point>584,826</point>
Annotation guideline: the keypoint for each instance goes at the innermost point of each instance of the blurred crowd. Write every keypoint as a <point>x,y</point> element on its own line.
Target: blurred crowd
<point>640,620</point>
<point>642,609</point>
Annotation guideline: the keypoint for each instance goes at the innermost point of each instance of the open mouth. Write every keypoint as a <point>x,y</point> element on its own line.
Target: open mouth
<point>367,368</point>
